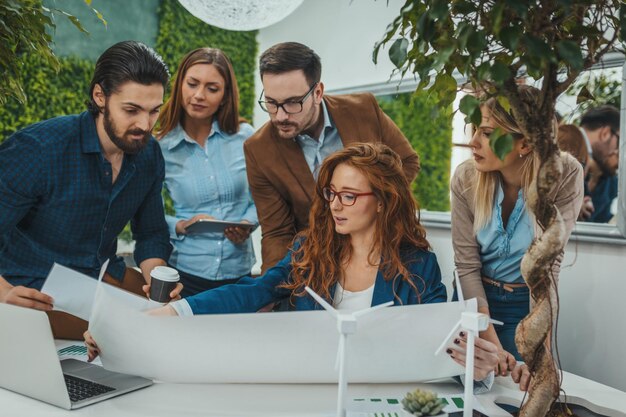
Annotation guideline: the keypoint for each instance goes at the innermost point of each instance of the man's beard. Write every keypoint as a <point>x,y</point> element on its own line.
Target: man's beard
<point>602,157</point>
<point>298,127</point>
<point>280,133</point>
<point>129,146</point>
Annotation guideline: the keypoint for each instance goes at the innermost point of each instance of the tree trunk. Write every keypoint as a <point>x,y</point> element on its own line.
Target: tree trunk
<point>533,334</point>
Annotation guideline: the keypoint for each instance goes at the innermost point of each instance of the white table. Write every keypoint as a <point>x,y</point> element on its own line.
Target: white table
<point>277,400</point>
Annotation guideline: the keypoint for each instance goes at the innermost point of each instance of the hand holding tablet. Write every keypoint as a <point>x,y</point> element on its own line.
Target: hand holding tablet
<point>216,226</point>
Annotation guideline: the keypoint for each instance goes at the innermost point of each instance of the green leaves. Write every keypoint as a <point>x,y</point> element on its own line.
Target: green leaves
<point>470,107</point>
<point>538,48</point>
<point>500,72</point>
<point>25,28</point>
<point>491,43</point>
<point>570,52</point>
<point>510,36</point>
<point>584,95</point>
<point>398,51</point>
<point>445,88</point>
<point>476,42</point>
<point>439,9</point>
<point>500,143</point>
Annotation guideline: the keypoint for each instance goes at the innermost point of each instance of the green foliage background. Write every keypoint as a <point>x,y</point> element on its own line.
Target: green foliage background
<point>49,93</point>
<point>429,129</point>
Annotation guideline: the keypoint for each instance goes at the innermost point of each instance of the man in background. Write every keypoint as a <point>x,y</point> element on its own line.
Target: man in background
<point>600,127</point>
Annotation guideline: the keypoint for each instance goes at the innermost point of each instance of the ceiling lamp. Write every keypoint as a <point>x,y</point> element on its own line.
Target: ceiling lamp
<point>240,14</point>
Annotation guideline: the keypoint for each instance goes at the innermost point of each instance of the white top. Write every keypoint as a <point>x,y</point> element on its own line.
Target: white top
<point>352,300</point>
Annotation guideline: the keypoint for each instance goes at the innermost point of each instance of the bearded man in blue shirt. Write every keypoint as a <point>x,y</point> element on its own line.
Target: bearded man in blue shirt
<point>69,185</point>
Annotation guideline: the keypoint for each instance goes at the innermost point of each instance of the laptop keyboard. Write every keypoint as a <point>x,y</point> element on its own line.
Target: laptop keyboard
<point>80,389</point>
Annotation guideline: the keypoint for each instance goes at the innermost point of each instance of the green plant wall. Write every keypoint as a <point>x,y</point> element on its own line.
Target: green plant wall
<point>429,129</point>
<point>49,94</point>
<point>180,32</point>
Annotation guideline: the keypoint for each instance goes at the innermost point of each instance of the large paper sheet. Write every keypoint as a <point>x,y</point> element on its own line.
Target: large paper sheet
<point>396,344</point>
<point>72,291</point>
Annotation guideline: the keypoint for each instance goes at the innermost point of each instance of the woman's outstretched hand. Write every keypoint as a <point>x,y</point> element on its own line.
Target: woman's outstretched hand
<point>485,355</point>
<point>521,376</point>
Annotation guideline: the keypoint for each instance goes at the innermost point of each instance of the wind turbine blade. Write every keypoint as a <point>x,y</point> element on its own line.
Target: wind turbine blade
<point>341,347</point>
<point>322,302</point>
<point>372,309</point>
<point>459,289</point>
<point>443,344</point>
<point>103,270</point>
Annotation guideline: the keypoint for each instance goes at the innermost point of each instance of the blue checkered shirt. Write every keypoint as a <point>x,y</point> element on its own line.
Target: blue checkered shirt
<point>58,203</point>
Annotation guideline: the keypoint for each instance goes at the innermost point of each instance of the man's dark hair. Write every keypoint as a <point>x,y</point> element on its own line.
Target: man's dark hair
<point>126,61</point>
<point>291,56</point>
<point>601,116</point>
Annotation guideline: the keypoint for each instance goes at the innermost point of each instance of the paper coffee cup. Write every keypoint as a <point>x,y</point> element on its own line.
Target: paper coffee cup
<point>164,280</point>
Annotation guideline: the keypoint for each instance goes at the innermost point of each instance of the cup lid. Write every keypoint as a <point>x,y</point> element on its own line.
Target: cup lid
<point>165,273</point>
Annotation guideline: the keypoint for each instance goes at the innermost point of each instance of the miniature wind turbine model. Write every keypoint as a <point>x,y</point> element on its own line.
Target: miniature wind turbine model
<point>473,323</point>
<point>346,325</point>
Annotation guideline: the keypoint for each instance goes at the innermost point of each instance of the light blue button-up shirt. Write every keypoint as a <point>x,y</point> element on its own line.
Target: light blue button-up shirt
<point>316,150</point>
<point>501,250</point>
<point>210,180</point>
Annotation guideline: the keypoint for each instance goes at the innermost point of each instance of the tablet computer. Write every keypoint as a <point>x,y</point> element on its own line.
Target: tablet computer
<point>214,226</point>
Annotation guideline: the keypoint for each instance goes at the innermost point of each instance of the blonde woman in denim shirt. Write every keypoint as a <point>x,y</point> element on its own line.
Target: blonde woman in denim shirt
<point>492,228</point>
<point>201,137</point>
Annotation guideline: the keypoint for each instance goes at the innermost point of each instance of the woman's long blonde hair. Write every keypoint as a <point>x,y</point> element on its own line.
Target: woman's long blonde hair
<point>485,182</point>
<point>319,261</point>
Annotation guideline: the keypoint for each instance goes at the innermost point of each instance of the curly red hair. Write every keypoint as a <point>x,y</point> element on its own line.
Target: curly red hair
<point>319,259</point>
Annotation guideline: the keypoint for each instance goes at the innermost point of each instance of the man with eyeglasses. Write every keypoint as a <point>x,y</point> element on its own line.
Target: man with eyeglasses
<point>305,127</point>
<point>600,127</point>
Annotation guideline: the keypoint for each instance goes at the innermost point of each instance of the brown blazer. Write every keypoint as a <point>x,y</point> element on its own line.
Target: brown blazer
<point>281,183</point>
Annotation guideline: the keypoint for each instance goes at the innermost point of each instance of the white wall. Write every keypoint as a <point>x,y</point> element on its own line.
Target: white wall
<point>592,286</point>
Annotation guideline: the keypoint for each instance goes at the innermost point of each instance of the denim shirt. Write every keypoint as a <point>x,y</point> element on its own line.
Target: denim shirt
<point>501,250</point>
<point>210,180</point>
<point>602,198</point>
<point>316,150</point>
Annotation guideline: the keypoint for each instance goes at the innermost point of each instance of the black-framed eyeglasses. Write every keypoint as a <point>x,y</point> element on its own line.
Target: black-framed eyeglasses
<point>346,198</point>
<point>289,107</point>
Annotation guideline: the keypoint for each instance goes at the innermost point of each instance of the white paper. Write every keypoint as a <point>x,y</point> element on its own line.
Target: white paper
<point>396,344</point>
<point>72,291</point>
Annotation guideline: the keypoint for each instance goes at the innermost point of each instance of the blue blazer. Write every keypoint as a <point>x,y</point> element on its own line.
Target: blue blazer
<point>249,295</point>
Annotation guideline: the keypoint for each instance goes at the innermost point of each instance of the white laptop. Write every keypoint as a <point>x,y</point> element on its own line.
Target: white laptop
<point>30,365</point>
